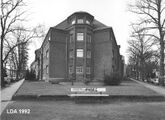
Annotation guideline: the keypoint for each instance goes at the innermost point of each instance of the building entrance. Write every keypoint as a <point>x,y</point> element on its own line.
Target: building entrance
<point>79,73</point>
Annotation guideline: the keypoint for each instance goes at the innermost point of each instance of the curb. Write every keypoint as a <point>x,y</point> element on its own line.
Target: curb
<point>105,98</point>
<point>18,87</point>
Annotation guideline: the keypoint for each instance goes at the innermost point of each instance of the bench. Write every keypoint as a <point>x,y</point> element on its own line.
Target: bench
<point>88,93</point>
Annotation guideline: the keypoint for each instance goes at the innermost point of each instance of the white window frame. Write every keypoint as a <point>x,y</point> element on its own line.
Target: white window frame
<point>73,22</point>
<point>87,22</point>
<point>80,21</point>
<point>79,69</point>
<point>49,38</point>
<point>80,36</point>
<point>80,53</point>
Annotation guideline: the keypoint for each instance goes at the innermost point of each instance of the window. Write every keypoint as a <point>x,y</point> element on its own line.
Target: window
<point>80,36</point>
<point>73,22</point>
<point>112,68</point>
<point>71,54</point>
<point>87,22</point>
<point>79,69</point>
<point>70,69</point>
<point>71,38</point>
<point>47,53</point>
<point>80,52</point>
<point>80,21</point>
<point>49,38</point>
<point>88,54</point>
<point>88,70</point>
<point>88,39</point>
<point>112,54</point>
<point>47,69</point>
<point>70,61</point>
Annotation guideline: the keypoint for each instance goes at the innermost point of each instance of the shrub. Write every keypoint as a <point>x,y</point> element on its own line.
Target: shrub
<point>12,80</point>
<point>30,75</point>
<point>87,81</point>
<point>125,78</point>
<point>113,79</point>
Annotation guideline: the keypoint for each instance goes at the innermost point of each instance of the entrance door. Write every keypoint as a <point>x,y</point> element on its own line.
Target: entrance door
<point>79,64</point>
<point>79,73</point>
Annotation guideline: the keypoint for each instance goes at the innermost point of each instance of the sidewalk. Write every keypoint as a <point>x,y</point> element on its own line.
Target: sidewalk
<point>158,89</point>
<point>7,93</point>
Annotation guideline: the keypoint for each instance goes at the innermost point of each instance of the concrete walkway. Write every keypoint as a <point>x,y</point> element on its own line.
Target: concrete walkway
<point>7,93</point>
<point>160,90</point>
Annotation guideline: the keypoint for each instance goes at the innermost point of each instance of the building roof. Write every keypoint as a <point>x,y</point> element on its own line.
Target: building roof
<point>64,25</point>
<point>95,23</point>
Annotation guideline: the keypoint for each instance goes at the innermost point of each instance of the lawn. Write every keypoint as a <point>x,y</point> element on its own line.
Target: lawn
<point>45,88</point>
<point>65,110</point>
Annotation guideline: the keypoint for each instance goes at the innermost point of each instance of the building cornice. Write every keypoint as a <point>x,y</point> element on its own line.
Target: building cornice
<point>102,29</point>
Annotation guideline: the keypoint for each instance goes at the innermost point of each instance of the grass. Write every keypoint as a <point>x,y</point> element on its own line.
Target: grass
<point>65,110</point>
<point>45,88</point>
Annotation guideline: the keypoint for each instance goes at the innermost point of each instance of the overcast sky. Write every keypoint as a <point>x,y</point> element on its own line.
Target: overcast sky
<point>112,13</point>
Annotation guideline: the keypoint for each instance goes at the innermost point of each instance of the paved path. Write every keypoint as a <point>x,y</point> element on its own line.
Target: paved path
<point>158,89</point>
<point>7,93</point>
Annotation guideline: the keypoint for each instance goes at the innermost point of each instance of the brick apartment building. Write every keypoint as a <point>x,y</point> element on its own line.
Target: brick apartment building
<point>79,48</point>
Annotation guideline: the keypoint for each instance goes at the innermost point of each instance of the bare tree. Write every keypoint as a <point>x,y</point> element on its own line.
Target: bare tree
<point>10,16</point>
<point>17,48</point>
<point>140,51</point>
<point>152,15</point>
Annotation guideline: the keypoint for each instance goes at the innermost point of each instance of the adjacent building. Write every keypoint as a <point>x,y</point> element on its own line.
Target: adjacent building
<point>79,48</point>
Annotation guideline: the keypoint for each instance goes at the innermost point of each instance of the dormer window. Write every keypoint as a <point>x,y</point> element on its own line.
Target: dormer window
<point>87,22</point>
<point>49,38</point>
<point>73,22</point>
<point>80,21</point>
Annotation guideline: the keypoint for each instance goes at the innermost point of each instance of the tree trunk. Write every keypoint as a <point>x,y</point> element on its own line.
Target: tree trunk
<point>161,68</point>
<point>2,76</point>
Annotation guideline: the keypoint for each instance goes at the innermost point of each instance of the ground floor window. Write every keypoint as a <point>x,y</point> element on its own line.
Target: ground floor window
<point>70,69</point>
<point>88,70</point>
<point>47,70</point>
<point>79,69</point>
